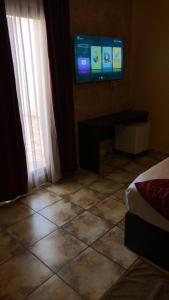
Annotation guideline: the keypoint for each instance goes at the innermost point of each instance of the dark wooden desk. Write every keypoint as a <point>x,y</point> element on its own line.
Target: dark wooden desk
<point>92,132</point>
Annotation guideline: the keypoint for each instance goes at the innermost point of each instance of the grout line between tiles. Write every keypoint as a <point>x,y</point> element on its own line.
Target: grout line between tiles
<point>36,211</point>
<point>70,287</point>
<point>4,229</point>
<point>109,258</point>
<point>29,294</point>
<point>71,219</point>
<point>63,195</point>
<point>19,221</point>
<point>56,272</point>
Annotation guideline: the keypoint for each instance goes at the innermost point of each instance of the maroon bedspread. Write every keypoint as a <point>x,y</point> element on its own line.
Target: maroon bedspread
<point>156,193</point>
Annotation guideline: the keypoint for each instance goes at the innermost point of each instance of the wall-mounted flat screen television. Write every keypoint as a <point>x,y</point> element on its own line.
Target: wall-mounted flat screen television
<point>98,58</point>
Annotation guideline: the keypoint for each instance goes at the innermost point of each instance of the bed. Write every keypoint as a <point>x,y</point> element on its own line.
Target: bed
<point>146,230</point>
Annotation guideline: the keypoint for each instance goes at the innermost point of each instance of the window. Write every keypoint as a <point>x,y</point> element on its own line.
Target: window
<point>29,50</point>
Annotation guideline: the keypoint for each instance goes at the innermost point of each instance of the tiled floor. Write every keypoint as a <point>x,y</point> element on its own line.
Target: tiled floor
<point>65,241</point>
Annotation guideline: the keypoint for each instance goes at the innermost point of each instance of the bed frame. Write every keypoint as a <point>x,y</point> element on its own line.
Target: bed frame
<point>147,240</point>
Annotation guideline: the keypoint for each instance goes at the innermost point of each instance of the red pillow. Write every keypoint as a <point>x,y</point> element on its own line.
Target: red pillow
<point>156,193</point>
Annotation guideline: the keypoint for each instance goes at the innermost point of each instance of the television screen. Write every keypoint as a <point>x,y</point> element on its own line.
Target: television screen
<point>98,58</point>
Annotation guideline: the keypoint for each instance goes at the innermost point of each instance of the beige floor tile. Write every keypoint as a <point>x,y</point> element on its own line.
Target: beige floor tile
<point>85,197</point>
<point>106,169</point>
<point>57,249</point>
<point>85,177</point>
<point>91,274</point>
<point>117,161</point>
<point>105,149</point>
<point>54,289</point>
<point>157,155</point>
<point>147,161</point>
<point>111,210</point>
<point>87,227</point>
<point>112,245</point>
<point>61,212</point>
<point>31,229</point>
<point>21,275</point>
<point>40,200</point>
<point>8,247</point>
<point>121,224</point>
<point>105,186</point>
<point>119,195</point>
<point>121,176</point>
<point>12,213</point>
<point>64,188</point>
<point>135,168</point>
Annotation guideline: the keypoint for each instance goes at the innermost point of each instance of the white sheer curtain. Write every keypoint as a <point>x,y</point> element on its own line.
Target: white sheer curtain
<point>27,31</point>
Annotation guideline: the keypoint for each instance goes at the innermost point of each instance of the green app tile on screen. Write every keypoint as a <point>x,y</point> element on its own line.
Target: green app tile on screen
<point>117,57</point>
<point>96,58</point>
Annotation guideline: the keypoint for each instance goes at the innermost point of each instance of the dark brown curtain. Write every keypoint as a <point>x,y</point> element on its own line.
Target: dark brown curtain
<point>13,171</point>
<point>59,49</point>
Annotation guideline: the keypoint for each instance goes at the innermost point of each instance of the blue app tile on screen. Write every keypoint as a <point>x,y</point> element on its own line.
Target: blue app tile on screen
<point>107,57</point>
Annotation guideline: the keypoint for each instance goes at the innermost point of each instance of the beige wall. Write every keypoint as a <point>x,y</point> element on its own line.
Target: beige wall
<point>101,17</point>
<point>150,66</point>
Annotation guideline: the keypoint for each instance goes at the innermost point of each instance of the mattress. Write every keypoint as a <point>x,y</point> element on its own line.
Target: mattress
<point>136,203</point>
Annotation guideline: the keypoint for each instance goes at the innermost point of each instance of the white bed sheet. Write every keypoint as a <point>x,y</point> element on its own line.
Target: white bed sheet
<point>138,206</point>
